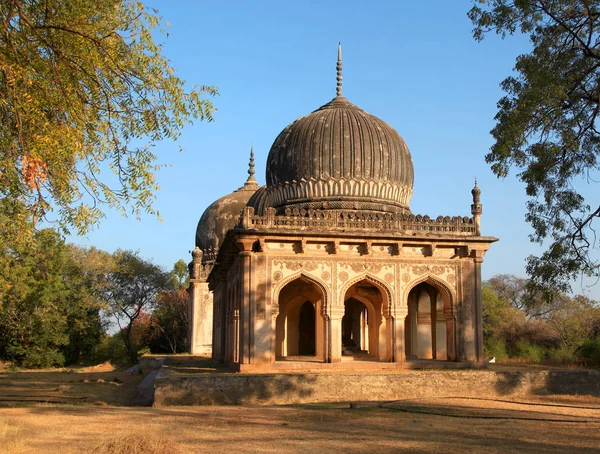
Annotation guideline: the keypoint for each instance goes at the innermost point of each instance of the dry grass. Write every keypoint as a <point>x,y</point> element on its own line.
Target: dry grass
<point>331,428</point>
<point>136,443</point>
<point>10,439</point>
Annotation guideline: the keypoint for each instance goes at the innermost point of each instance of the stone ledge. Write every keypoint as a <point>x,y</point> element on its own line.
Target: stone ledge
<point>294,388</point>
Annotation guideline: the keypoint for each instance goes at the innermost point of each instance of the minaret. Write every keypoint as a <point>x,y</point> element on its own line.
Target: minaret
<point>339,71</point>
<point>476,208</point>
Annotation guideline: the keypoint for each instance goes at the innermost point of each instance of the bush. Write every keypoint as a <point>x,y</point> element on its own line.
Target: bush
<point>530,353</point>
<point>562,355</point>
<point>496,348</point>
<point>590,351</point>
<point>111,349</point>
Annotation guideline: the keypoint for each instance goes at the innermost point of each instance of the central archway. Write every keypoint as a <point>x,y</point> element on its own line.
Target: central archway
<point>365,330</point>
<point>299,326</point>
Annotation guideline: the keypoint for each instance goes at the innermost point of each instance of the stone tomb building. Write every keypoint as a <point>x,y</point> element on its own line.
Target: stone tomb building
<point>326,263</point>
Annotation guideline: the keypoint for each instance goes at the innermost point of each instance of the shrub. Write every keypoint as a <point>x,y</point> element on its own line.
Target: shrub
<point>562,355</point>
<point>590,351</point>
<point>496,348</point>
<point>531,353</point>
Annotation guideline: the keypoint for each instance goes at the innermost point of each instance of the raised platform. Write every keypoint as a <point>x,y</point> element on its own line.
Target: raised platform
<point>360,363</point>
<point>189,385</point>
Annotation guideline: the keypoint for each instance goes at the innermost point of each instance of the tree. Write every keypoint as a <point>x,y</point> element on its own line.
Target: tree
<point>170,317</point>
<point>574,321</point>
<point>135,286</point>
<point>90,269</point>
<point>85,91</point>
<point>547,128</point>
<point>47,315</point>
<point>514,290</point>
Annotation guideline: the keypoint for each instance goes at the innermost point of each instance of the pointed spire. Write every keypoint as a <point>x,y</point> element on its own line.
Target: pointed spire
<point>251,180</point>
<point>339,71</point>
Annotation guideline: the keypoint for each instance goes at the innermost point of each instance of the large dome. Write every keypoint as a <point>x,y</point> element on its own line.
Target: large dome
<point>339,156</point>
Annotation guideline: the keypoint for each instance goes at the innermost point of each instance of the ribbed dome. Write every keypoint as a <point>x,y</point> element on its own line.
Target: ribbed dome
<point>339,156</point>
<point>221,216</point>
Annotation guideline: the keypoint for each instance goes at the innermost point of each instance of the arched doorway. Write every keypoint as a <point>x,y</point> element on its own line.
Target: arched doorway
<point>307,330</point>
<point>299,326</point>
<point>429,325</point>
<point>355,328</point>
<point>365,332</point>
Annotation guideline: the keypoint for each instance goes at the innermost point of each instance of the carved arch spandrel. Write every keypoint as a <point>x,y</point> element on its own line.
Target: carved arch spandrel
<point>382,286</point>
<point>302,275</point>
<point>436,282</point>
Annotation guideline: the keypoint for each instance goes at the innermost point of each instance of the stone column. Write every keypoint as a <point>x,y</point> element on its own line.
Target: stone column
<point>398,340</point>
<point>335,334</point>
<point>450,335</point>
<point>195,301</point>
<point>236,336</point>
<point>433,293</point>
<point>385,335</point>
<point>477,307</point>
<point>246,302</point>
<point>217,352</point>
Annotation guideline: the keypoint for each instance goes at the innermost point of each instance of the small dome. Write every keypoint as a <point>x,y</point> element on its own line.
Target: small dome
<point>223,214</point>
<point>339,156</point>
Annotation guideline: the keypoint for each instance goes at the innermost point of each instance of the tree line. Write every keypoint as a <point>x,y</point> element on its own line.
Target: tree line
<point>59,302</point>
<point>533,328</point>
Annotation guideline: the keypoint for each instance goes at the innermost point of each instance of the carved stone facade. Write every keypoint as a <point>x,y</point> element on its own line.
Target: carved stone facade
<point>327,263</point>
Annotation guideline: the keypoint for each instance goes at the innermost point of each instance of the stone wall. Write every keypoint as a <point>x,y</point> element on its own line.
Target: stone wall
<point>277,389</point>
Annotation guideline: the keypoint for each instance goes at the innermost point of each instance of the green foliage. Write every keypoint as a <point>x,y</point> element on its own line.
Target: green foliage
<point>590,351</point>
<point>170,322</point>
<point>46,315</point>
<point>84,94</point>
<point>562,356</point>
<point>111,348</point>
<point>496,348</point>
<point>180,276</point>
<point>532,353</point>
<point>558,333</point>
<point>132,295</point>
<point>547,129</point>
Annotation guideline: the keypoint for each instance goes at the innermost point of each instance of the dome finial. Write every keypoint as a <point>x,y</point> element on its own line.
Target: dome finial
<point>339,70</point>
<point>251,170</point>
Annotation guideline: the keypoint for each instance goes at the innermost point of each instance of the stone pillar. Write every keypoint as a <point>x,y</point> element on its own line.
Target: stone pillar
<point>384,336</point>
<point>200,307</point>
<point>477,308</point>
<point>246,302</point>
<point>236,336</point>
<point>335,334</point>
<point>399,334</point>
<point>450,335</point>
<point>217,348</point>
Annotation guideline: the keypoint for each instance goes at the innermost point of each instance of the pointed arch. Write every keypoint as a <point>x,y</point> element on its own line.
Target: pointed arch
<point>445,288</point>
<point>382,286</point>
<point>292,327</point>
<point>303,276</point>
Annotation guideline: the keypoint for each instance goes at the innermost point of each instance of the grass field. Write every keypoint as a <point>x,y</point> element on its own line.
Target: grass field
<point>94,417</point>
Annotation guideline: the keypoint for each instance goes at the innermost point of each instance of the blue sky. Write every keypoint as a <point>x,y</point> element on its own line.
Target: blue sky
<point>413,64</point>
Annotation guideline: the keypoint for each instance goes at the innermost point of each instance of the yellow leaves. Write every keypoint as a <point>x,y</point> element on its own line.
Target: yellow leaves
<point>35,171</point>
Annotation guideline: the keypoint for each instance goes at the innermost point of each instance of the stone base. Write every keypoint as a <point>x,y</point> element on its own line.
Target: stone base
<point>381,385</point>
